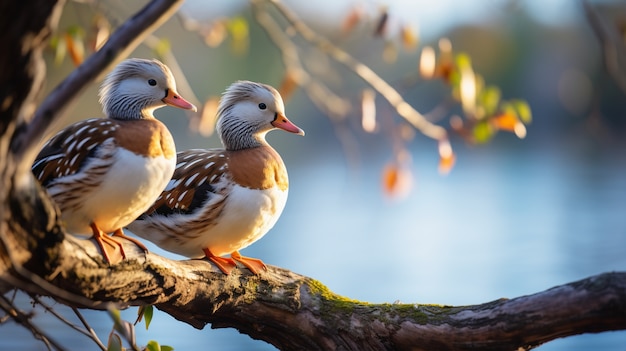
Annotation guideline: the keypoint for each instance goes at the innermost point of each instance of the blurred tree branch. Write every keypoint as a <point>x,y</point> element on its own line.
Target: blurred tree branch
<point>612,43</point>
<point>283,308</point>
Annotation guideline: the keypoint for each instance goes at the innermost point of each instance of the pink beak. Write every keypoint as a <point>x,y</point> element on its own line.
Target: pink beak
<point>173,99</point>
<point>281,122</point>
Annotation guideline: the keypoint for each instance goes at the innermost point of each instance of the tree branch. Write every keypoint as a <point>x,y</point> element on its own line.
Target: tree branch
<point>119,45</point>
<point>292,311</point>
<point>404,109</point>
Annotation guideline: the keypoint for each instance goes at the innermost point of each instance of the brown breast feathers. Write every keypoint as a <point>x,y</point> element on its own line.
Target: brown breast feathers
<point>258,168</point>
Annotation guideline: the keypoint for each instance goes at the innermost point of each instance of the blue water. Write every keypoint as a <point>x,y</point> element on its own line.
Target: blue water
<point>509,220</point>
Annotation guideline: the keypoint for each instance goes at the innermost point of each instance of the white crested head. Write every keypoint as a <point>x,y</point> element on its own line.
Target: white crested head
<point>136,87</point>
<point>247,111</point>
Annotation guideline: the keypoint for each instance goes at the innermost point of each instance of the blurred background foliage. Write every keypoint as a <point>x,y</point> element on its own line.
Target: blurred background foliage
<point>503,214</point>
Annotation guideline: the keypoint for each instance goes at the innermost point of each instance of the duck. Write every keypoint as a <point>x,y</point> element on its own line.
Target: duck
<point>103,173</point>
<point>222,200</point>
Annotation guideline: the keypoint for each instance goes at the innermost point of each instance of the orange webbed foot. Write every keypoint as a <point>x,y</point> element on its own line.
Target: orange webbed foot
<point>226,265</point>
<point>253,264</point>
<point>112,250</point>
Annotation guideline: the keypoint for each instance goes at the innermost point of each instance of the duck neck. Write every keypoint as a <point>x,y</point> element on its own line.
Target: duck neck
<point>242,139</point>
<point>128,109</point>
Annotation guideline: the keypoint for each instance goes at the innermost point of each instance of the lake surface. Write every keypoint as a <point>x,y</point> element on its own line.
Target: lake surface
<point>508,221</point>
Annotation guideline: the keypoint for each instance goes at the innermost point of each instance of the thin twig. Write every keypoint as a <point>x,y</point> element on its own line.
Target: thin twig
<point>88,333</point>
<point>24,320</point>
<point>320,94</point>
<point>403,108</point>
<point>88,327</point>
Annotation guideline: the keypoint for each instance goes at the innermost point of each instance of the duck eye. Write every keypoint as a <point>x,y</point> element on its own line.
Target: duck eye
<point>152,82</point>
<point>262,106</point>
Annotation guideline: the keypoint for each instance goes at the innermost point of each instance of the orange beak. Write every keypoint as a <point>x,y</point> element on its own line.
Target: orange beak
<point>173,99</point>
<point>281,122</point>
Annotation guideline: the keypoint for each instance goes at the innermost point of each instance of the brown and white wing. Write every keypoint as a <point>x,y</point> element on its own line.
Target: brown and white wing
<point>72,149</point>
<point>197,179</point>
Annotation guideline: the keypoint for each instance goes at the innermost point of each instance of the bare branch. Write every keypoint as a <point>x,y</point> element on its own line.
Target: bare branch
<point>394,98</point>
<point>23,319</point>
<point>88,332</point>
<point>121,42</point>
<point>320,94</point>
<point>292,311</point>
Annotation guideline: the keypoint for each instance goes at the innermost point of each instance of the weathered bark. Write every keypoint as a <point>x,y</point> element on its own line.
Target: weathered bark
<point>283,308</point>
<point>294,312</point>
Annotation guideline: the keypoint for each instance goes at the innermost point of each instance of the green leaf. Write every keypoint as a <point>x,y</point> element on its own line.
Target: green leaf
<point>463,61</point>
<point>490,100</point>
<point>114,343</point>
<point>148,310</point>
<point>153,346</point>
<point>523,111</point>
<point>482,132</point>
<point>238,27</point>
<point>167,348</point>
<point>162,47</point>
<point>115,315</point>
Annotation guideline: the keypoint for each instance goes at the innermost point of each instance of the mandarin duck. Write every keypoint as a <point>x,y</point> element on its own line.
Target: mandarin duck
<point>220,201</point>
<point>104,172</point>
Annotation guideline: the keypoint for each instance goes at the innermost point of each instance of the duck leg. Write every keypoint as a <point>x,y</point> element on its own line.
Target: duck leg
<point>226,265</point>
<point>120,234</point>
<point>254,264</point>
<point>112,250</point>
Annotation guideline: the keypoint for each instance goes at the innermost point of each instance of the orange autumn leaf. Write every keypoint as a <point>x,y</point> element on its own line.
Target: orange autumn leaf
<point>396,180</point>
<point>75,47</point>
<point>505,121</point>
<point>446,163</point>
<point>447,157</point>
<point>352,19</point>
<point>409,38</point>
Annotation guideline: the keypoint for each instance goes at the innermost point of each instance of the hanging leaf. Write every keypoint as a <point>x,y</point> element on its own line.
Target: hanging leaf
<point>390,52</point>
<point>153,346</point>
<point>523,110</point>
<point>240,33</point>
<point>490,100</point>
<point>409,38</point>
<point>114,343</point>
<point>102,31</point>
<point>482,132</point>
<point>162,47</point>
<point>60,49</point>
<point>467,84</point>
<point>427,62</point>
<point>445,65</point>
<point>505,121</point>
<point>447,157</point>
<point>397,179</point>
<point>148,310</point>
<point>446,163</point>
<point>74,38</point>
<point>215,33</point>
<point>381,24</point>
<point>140,311</point>
<point>368,110</point>
<point>352,19</point>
